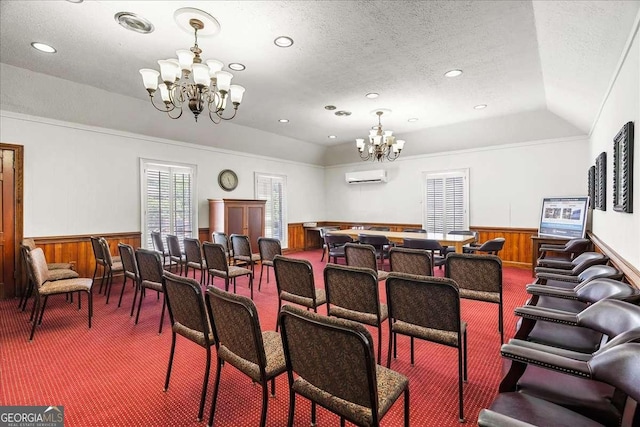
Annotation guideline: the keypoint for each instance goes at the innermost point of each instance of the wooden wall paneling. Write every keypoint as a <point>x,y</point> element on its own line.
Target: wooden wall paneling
<point>204,235</point>
<point>517,245</point>
<point>631,273</point>
<point>296,236</point>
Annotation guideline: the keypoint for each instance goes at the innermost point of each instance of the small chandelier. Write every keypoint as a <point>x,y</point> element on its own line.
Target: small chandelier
<point>380,144</point>
<point>209,86</point>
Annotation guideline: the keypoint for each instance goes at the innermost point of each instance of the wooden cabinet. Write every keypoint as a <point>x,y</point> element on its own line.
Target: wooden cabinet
<point>236,216</point>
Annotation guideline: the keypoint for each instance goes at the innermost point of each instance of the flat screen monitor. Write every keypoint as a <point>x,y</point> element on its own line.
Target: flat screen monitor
<point>564,217</point>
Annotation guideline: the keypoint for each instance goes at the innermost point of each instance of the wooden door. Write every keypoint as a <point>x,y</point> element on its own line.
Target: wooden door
<point>11,222</point>
<point>235,220</point>
<point>255,222</point>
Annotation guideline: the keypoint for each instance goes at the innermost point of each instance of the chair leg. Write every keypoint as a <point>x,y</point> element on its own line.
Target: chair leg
<point>278,313</point>
<point>216,386</point>
<point>379,343</point>
<point>464,344</point>
<point>412,363</point>
<point>342,422</point>
<point>90,298</point>
<point>36,305</point>
<point>79,301</point>
<point>267,274</point>
<point>44,304</point>
<point>173,348</point>
<point>250,285</point>
<point>139,306</point>
<point>122,291</point>
<point>164,305</point>
<point>292,406</point>
<point>406,406</point>
<point>27,295</point>
<point>500,323</point>
<point>135,295</point>
<point>204,385</point>
<point>313,413</point>
<point>261,270</point>
<point>390,343</point>
<point>109,285</point>
<point>460,394</point>
<point>265,402</point>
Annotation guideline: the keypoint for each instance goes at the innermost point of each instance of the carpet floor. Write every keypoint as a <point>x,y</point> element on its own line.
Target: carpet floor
<point>113,373</point>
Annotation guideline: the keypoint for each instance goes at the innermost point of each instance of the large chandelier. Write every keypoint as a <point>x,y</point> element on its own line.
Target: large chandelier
<point>380,145</point>
<point>187,80</point>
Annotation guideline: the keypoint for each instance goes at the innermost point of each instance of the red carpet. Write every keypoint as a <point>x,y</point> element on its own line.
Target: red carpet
<point>113,374</point>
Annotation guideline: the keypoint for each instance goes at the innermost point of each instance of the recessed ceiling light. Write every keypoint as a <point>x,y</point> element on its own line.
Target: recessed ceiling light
<point>235,66</point>
<point>332,137</point>
<point>413,119</point>
<point>134,22</point>
<point>43,47</point>
<point>372,95</point>
<point>480,106</point>
<point>329,107</point>
<point>453,73</point>
<point>342,113</point>
<point>283,41</point>
<point>284,120</point>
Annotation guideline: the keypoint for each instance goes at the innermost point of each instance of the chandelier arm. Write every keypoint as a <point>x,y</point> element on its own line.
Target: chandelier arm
<point>214,117</point>
<point>220,113</point>
<point>166,108</point>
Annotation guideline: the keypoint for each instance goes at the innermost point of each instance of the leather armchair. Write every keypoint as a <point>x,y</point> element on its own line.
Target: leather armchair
<point>592,272</point>
<point>569,251</point>
<point>578,265</point>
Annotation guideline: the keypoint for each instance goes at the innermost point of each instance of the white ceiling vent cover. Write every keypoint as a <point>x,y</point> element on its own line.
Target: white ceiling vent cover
<point>366,177</point>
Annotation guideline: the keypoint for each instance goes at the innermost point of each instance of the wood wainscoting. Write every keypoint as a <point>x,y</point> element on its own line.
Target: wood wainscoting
<point>77,249</point>
<point>631,273</point>
<point>517,246</point>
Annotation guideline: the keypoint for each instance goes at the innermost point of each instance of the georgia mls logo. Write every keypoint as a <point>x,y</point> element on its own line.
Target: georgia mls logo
<point>31,416</point>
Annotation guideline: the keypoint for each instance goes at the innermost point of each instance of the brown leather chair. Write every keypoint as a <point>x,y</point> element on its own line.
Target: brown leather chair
<point>380,243</point>
<point>427,308</point>
<point>579,264</point>
<point>433,246</point>
<point>618,367</point>
<point>331,362</point>
<point>335,244</point>
<point>491,247</point>
<point>568,251</point>
<point>295,283</point>
<point>189,318</point>
<point>323,231</point>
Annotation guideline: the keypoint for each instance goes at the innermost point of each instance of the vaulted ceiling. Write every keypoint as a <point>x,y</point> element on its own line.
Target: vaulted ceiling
<point>541,67</point>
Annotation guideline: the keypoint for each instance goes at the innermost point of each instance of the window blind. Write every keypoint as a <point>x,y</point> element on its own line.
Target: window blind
<point>446,202</point>
<point>272,189</point>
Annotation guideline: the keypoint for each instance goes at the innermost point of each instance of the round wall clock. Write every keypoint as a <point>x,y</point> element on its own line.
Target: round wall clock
<point>228,180</point>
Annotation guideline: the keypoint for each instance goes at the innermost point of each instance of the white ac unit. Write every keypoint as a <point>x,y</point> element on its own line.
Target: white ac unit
<point>366,177</point>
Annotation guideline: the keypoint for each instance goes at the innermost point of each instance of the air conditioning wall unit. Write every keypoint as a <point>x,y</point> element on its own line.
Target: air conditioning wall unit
<point>366,177</point>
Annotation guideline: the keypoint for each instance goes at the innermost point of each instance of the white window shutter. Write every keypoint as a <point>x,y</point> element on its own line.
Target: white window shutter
<point>445,201</point>
<point>272,188</point>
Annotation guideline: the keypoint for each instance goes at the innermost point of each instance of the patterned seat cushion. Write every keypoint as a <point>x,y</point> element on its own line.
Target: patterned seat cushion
<point>390,385</point>
<point>192,334</point>
<point>116,266</point>
<point>61,274</point>
<point>253,257</point>
<point>358,316</point>
<point>449,338</point>
<point>60,266</point>
<point>196,265</point>
<point>66,285</point>
<point>274,353</point>
<point>234,271</point>
<point>480,295</point>
<point>321,298</point>
<point>156,286</point>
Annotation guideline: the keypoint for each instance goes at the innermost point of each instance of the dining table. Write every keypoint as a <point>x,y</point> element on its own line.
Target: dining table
<point>455,240</point>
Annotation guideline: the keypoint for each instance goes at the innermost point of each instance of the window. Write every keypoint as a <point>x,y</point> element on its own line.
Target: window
<point>168,200</point>
<point>446,201</point>
<point>273,189</point>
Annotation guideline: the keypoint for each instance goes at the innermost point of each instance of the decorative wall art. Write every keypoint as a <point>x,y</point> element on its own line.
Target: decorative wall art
<point>623,169</point>
<point>591,182</point>
<point>601,182</point>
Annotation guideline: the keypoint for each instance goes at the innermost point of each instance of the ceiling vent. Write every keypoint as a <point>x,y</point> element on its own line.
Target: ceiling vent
<point>366,177</point>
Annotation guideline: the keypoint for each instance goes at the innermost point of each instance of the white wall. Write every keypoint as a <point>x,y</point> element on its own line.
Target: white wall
<point>621,231</point>
<point>507,183</point>
<point>86,180</point>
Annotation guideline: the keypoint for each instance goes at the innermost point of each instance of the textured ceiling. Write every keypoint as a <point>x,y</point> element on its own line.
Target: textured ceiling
<point>517,57</point>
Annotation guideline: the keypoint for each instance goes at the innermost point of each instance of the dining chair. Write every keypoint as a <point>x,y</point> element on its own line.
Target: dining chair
<point>268,248</point>
<point>332,363</point>
<point>176,255</point>
<point>323,231</point>
<point>427,308</point>
<point>111,265</point>
<point>433,246</point>
<point>479,277</point>
<point>222,239</point>
<point>130,269</point>
<point>193,258</point>
<point>410,261</point>
<point>242,254</point>
<point>43,287</point>
<point>381,245</point>
<point>99,259</point>
<point>295,283</point>
<point>335,244</point>
<point>242,344</point>
<point>352,293</point>
<point>189,318</point>
<point>362,255</point>
<point>158,245</point>
<point>151,277</point>
<point>218,266</point>
<point>491,247</point>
